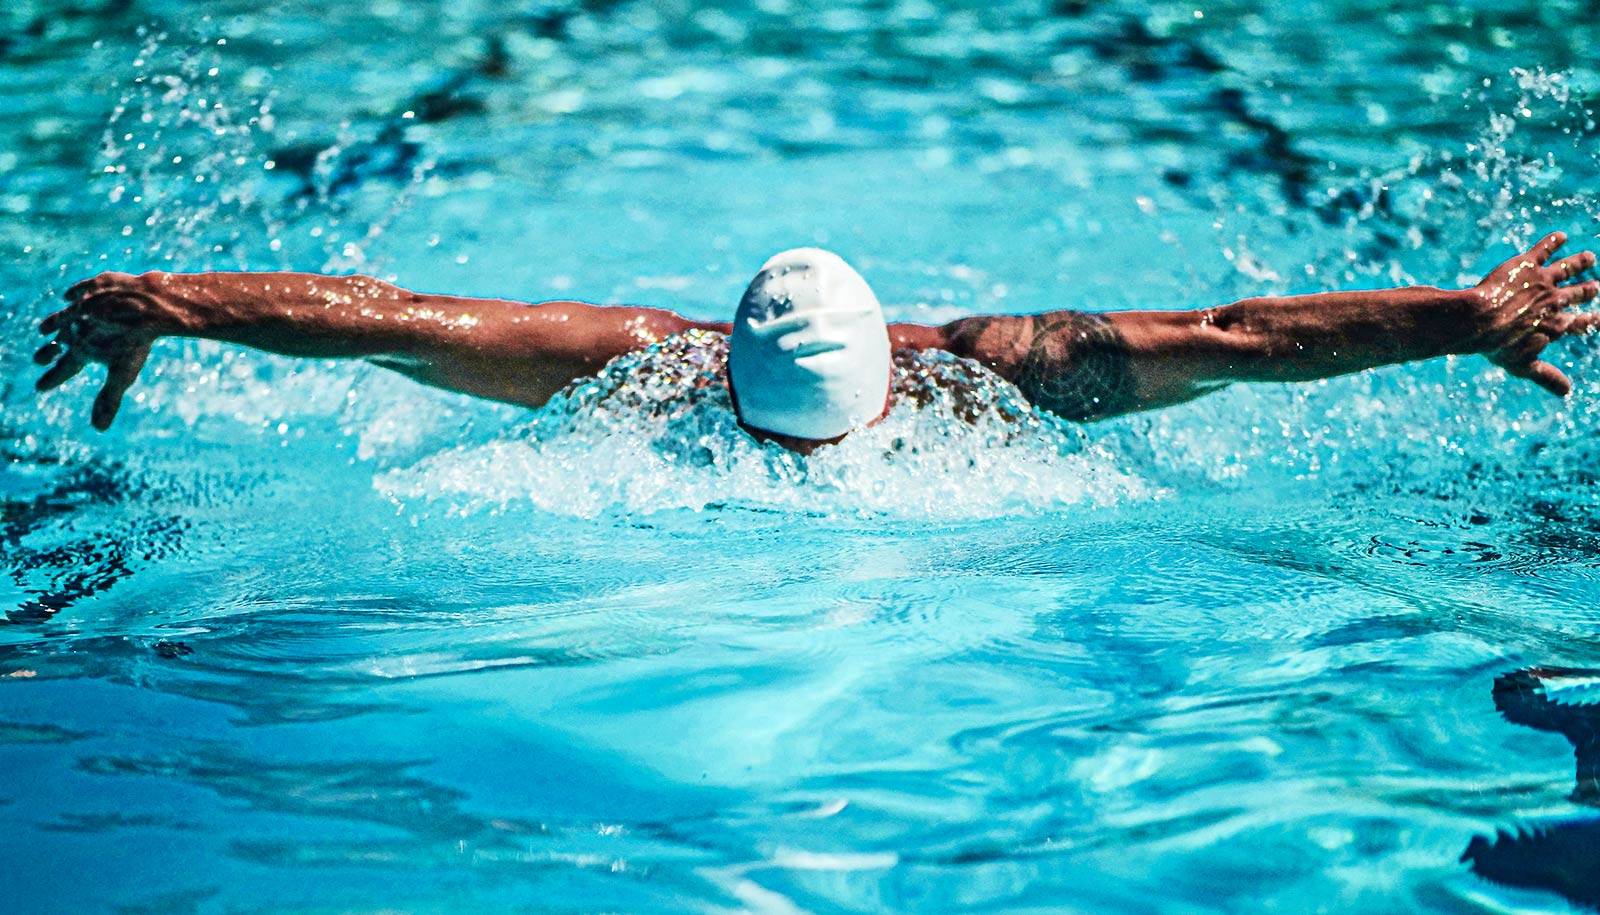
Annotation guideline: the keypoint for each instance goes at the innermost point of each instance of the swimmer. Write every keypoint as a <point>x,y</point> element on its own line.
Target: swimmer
<point>809,353</point>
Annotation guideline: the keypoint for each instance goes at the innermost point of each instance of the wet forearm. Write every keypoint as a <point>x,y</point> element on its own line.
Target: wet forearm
<point>1301,338</point>
<point>301,314</point>
<point>502,350</point>
<point>1089,366</point>
<point>1177,355</point>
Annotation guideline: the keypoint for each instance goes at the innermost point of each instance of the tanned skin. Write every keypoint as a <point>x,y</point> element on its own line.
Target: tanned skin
<point>1080,366</point>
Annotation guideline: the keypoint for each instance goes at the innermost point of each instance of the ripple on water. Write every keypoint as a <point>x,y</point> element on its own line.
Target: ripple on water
<point>1095,695</point>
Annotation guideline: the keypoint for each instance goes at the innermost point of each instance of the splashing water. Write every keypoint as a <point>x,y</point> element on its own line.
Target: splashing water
<point>201,178</point>
<point>196,169</point>
<point>656,430</point>
<point>210,182</point>
<point>1445,216</point>
<point>185,168</point>
<point>1432,219</point>
<point>204,179</point>
<point>1228,654</point>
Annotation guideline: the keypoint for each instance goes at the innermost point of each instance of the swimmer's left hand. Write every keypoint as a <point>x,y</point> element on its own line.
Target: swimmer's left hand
<point>112,319</point>
<point>1523,308</point>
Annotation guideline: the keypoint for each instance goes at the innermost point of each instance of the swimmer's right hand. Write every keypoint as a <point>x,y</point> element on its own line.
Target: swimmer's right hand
<point>112,319</point>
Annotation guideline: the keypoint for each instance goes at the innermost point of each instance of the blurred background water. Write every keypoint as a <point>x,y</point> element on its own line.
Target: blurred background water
<point>313,638</point>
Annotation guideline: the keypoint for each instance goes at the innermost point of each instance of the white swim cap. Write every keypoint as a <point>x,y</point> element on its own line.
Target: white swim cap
<point>809,355</point>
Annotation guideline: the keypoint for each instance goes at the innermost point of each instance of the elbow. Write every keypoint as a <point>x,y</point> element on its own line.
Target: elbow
<point>1230,335</point>
<point>1229,321</point>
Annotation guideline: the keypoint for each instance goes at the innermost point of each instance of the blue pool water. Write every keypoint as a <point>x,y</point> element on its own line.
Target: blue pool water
<point>312,638</point>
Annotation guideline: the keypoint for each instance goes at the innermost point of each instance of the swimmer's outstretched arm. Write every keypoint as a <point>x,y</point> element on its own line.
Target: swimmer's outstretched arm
<point>490,348</point>
<point>1090,366</point>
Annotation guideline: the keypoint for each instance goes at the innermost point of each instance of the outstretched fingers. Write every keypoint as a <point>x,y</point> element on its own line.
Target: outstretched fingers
<point>77,290</point>
<point>1577,295</point>
<point>1547,246</point>
<point>120,375</point>
<point>1569,267</point>
<point>47,354</point>
<point>1583,323</point>
<point>79,296</point>
<point>1544,375</point>
<point>70,364</point>
<point>56,321</point>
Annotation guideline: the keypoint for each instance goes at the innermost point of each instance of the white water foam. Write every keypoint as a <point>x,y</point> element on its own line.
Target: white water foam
<point>656,431</point>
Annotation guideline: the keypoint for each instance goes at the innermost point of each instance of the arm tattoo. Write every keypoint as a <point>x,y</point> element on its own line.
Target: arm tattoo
<point>1077,367</point>
<point>1072,364</point>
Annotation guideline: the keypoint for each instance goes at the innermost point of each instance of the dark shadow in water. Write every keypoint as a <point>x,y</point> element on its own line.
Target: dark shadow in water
<point>328,171</point>
<point>395,817</point>
<point>1148,58</point>
<point>1565,856</point>
<point>60,573</point>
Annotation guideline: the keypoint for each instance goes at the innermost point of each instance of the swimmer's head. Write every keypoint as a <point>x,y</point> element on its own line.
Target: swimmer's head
<point>809,353</point>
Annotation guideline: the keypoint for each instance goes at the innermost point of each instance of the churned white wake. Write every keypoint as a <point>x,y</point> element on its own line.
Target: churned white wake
<point>656,430</point>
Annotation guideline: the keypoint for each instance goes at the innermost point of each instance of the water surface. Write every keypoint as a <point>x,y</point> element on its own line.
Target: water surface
<point>313,638</point>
